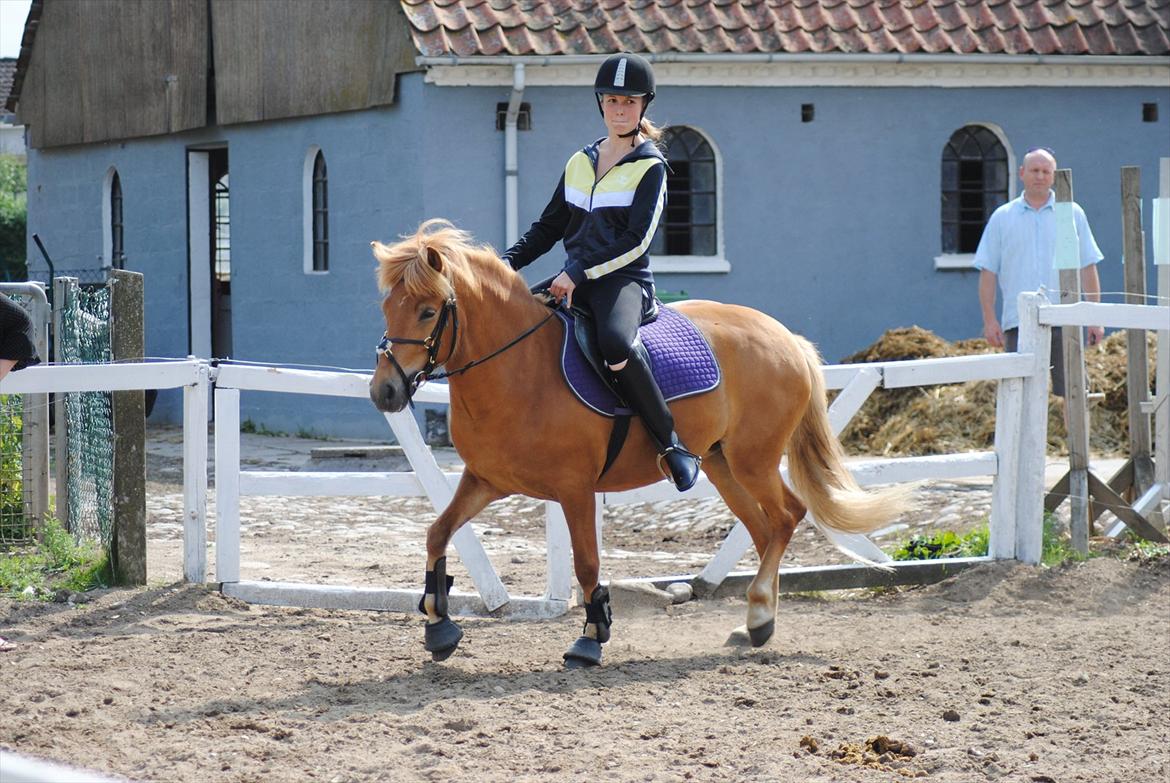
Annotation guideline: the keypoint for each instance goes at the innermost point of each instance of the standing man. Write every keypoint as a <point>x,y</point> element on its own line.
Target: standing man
<point>1016,253</point>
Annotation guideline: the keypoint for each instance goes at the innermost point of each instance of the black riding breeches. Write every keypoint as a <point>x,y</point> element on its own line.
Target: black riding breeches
<point>619,305</point>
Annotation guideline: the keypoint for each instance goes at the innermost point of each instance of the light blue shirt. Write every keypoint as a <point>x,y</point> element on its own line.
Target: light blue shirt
<point>1019,245</point>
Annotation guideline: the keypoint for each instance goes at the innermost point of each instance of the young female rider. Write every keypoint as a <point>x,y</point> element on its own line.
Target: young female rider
<point>606,209</point>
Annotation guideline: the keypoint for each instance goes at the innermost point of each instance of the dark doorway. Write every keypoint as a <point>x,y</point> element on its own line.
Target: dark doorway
<point>220,244</point>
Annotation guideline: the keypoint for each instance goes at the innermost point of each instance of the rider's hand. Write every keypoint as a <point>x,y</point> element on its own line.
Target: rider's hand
<point>562,288</point>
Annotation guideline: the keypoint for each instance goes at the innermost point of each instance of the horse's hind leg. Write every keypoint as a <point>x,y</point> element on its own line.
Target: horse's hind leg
<point>757,495</point>
<point>441,634</point>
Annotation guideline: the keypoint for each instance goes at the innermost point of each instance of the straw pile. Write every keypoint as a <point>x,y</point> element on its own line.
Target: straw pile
<point>961,417</point>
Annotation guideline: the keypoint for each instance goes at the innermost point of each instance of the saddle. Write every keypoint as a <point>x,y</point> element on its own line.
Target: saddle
<point>680,357</point>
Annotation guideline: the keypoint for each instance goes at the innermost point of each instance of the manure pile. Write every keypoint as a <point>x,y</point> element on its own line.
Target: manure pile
<point>961,417</point>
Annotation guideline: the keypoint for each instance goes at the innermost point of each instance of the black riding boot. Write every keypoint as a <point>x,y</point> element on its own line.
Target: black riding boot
<point>636,384</point>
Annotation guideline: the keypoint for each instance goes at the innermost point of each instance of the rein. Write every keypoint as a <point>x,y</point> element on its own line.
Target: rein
<point>431,343</point>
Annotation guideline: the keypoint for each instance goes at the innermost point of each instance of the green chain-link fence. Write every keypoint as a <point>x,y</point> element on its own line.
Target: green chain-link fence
<point>83,337</point>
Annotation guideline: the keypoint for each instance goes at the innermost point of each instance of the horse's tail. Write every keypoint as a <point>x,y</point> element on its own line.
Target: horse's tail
<point>817,469</point>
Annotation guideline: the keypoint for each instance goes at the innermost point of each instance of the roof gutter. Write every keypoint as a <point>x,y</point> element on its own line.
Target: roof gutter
<point>828,57</point>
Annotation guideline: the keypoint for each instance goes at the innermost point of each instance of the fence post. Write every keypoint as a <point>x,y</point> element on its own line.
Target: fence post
<point>227,485</point>
<point>1162,400</point>
<point>1137,367</point>
<point>1075,400</point>
<point>129,412</point>
<point>195,478</point>
<point>1009,408</point>
<point>62,291</point>
<point>1036,339</point>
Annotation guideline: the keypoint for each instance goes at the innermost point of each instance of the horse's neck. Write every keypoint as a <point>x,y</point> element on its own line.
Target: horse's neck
<point>492,313</point>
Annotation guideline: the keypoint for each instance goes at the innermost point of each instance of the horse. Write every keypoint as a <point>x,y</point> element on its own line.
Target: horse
<point>450,302</point>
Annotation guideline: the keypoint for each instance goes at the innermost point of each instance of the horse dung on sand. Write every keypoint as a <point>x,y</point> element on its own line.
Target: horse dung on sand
<point>520,430</point>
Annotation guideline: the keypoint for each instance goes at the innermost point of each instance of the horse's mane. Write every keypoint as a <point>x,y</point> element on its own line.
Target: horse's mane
<point>408,262</point>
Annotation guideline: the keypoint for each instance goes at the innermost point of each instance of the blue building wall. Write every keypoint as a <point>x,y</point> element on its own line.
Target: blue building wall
<point>830,226</point>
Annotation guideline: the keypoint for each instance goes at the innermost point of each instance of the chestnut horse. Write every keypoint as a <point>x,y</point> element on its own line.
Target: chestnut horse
<point>520,430</point>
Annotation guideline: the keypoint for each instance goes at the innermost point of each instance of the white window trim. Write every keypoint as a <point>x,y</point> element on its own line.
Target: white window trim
<point>307,212</point>
<point>688,264</point>
<point>700,264</point>
<point>108,218</point>
<point>954,261</point>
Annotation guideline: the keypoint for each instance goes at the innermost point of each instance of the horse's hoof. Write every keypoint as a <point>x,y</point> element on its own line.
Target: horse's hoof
<point>585,653</point>
<point>441,638</point>
<point>762,634</point>
<point>738,638</point>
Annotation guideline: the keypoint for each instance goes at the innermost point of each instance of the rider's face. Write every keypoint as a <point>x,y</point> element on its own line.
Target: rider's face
<point>621,112</point>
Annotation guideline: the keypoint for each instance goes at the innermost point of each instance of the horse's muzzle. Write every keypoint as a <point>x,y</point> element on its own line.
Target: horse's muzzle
<point>387,396</point>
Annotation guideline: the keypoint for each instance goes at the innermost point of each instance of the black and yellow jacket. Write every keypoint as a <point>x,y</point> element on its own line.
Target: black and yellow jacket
<point>606,226</point>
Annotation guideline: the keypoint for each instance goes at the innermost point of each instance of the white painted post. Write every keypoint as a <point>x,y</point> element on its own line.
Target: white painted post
<point>1009,405</point>
<point>1161,252</point>
<point>195,479</point>
<point>559,553</point>
<point>1035,339</point>
<point>471,551</point>
<point>227,485</point>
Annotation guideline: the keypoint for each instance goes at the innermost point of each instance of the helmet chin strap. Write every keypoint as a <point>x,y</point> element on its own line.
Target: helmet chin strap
<point>633,135</point>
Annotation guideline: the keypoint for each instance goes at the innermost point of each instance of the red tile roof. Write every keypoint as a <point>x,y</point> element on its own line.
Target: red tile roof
<point>553,27</point>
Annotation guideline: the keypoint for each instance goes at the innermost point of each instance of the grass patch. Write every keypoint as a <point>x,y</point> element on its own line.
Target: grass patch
<point>945,544</point>
<point>56,563</point>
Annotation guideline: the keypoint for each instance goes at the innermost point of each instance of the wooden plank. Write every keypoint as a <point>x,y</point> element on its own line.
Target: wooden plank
<point>195,479</point>
<point>1162,373</point>
<point>287,483</point>
<point>1009,405</point>
<point>1076,403</point>
<point>385,600</point>
<point>558,553</point>
<point>128,339</point>
<point>227,485</point>
<point>62,378</point>
<point>954,369</point>
<point>839,577</point>
<point>1137,367</point>
<point>1123,511</point>
<point>323,383</point>
<point>1118,316</point>
<point>1057,495</point>
<point>1035,340</point>
<point>852,397</point>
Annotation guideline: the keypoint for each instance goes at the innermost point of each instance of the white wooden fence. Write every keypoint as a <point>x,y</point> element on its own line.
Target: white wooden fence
<point>1016,463</point>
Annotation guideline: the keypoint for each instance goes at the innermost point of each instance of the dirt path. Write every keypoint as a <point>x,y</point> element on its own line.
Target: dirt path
<point>1006,672</point>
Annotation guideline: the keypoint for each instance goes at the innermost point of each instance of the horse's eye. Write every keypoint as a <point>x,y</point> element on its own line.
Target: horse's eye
<point>427,314</point>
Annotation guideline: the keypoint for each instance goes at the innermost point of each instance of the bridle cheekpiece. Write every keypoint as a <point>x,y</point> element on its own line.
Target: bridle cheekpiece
<point>431,343</point>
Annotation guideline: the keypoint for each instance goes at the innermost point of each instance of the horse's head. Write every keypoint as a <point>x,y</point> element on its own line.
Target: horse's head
<point>418,302</point>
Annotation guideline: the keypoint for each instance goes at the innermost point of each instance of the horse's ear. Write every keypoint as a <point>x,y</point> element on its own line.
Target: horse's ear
<point>434,259</point>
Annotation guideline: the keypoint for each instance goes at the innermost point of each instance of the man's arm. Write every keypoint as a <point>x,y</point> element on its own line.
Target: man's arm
<point>1091,292</point>
<point>988,285</point>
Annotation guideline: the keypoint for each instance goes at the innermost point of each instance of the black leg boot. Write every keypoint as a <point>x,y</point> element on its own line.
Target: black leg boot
<point>636,384</point>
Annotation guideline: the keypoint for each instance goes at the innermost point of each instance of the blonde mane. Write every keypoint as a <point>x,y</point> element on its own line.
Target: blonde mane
<point>407,262</point>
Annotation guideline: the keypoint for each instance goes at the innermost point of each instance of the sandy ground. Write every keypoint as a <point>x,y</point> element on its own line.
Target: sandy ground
<point>1007,672</point>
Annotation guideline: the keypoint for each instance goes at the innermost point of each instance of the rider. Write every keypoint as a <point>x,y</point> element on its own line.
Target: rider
<point>606,208</point>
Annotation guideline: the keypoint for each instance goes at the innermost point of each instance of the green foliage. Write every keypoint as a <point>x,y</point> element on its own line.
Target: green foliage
<point>57,563</point>
<point>11,498</point>
<point>13,218</point>
<point>1057,546</point>
<point>1143,551</point>
<point>945,544</point>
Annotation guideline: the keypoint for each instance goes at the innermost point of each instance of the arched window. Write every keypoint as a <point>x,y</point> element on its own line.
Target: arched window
<point>976,179</point>
<point>690,225</point>
<point>117,249</point>
<point>320,214</point>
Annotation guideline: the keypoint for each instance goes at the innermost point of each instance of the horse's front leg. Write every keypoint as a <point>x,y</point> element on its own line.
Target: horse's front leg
<point>580,515</point>
<point>441,634</point>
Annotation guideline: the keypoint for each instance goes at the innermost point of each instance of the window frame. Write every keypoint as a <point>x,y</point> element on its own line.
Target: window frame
<point>699,264</point>
<point>310,209</point>
<point>966,261</point>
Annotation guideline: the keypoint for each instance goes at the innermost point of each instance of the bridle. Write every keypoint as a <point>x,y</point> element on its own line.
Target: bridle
<point>450,313</point>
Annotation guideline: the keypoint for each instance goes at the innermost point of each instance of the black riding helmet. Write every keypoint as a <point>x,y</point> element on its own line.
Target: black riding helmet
<point>625,74</point>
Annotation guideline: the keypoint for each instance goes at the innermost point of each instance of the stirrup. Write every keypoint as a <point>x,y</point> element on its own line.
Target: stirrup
<point>666,474</point>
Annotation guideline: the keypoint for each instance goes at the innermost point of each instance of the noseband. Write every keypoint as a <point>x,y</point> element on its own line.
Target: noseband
<point>431,343</point>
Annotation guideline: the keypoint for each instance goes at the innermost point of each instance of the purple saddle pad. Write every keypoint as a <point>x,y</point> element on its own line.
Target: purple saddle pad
<point>679,354</point>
